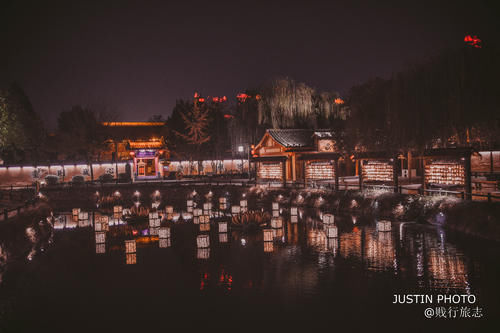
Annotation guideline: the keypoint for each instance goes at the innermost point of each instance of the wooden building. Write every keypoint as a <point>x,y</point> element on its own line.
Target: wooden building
<point>297,155</point>
<point>378,168</point>
<point>142,142</point>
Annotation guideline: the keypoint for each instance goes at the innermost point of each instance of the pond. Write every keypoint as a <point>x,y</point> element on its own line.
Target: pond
<point>302,280</point>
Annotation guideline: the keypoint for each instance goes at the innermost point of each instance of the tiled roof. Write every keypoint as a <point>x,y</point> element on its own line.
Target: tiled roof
<point>293,138</point>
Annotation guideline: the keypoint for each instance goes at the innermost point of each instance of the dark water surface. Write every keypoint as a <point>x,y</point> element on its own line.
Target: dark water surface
<point>301,282</point>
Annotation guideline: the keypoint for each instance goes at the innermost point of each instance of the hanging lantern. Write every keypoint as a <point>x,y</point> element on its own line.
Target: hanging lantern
<point>130,246</point>
<point>100,237</point>
<point>276,222</point>
<point>268,235</point>
<point>203,241</point>
<point>164,232</point>
<point>384,225</point>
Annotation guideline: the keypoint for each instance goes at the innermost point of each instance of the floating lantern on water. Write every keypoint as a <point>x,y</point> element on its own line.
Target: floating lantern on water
<point>235,210</point>
<point>384,225</point>
<point>268,247</point>
<point>222,226</point>
<point>223,238</point>
<point>203,254</point>
<point>100,248</point>
<point>331,231</point>
<point>276,222</point>
<point>244,206</point>
<point>268,235</point>
<point>202,241</point>
<point>164,242</point>
<point>131,258</point>
<point>130,246</point>
<point>328,219</point>
<point>153,231</point>
<point>164,232</point>
<point>83,216</point>
<point>100,237</point>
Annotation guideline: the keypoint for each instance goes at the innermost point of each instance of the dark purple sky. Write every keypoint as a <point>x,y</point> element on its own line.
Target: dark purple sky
<point>138,57</point>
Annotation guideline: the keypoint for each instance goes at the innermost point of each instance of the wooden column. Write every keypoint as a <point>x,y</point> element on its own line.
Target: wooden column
<point>294,170</point>
<point>336,170</point>
<point>468,183</point>
<point>283,172</point>
<point>395,173</point>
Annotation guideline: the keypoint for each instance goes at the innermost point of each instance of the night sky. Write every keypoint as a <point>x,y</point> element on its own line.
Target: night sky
<point>138,57</point>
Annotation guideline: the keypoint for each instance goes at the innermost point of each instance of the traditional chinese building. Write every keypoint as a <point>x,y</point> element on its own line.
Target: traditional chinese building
<point>297,155</point>
<point>141,142</point>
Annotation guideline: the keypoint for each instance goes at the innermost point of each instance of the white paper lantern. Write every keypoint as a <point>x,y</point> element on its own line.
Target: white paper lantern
<point>243,203</point>
<point>328,219</point>
<point>276,213</point>
<point>207,206</point>
<point>204,227</point>
<point>235,210</point>
<point>223,238</point>
<point>100,248</point>
<point>83,216</point>
<point>186,216</point>
<point>222,226</point>
<point>153,215</point>
<point>130,246</point>
<point>202,241</point>
<point>294,219</point>
<point>131,258</point>
<point>331,231</point>
<point>203,254</point>
<point>153,231</point>
<point>268,235</point>
<point>164,232</point>
<point>276,222</point>
<point>190,209</point>
<point>294,211</point>
<point>98,226</point>
<point>276,206</point>
<point>104,219</point>
<point>117,209</point>
<point>196,220</point>
<point>75,211</point>
<point>100,237</point>
<point>197,212</point>
<point>384,225</point>
<point>268,247</point>
<point>164,242</point>
<point>189,203</point>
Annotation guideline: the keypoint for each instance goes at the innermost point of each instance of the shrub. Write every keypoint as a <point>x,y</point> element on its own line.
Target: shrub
<point>51,179</point>
<point>78,180</point>
<point>106,178</point>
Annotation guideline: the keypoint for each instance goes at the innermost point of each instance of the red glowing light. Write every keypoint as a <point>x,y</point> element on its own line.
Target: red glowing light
<point>355,229</point>
<point>242,97</point>
<point>473,41</point>
<point>339,101</point>
<point>134,232</point>
<point>196,95</point>
<point>257,97</point>
<point>201,100</point>
<point>228,116</point>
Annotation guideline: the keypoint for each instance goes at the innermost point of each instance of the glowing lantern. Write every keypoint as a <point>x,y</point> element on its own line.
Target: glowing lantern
<point>83,216</point>
<point>164,242</point>
<point>187,216</point>
<point>222,226</point>
<point>153,215</point>
<point>294,219</point>
<point>196,220</point>
<point>204,219</point>
<point>276,213</point>
<point>244,206</point>
<point>338,101</point>
<point>384,225</point>
<point>76,211</point>
<point>276,206</point>
<point>268,235</point>
<point>197,212</point>
<point>131,258</point>
<point>277,233</point>
<point>202,241</point>
<point>235,210</point>
<point>328,219</point>
<point>130,246</point>
<point>189,205</point>
<point>169,209</point>
<point>153,231</point>
<point>207,208</point>
<point>223,238</point>
<point>203,254</point>
<point>331,231</point>
<point>204,227</point>
<point>117,209</point>
<point>268,247</point>
<point>164,232</point>
<point>100,248</point>
<point>294,211</point>
<point>276,222</point>
<point>154,222</point>
<point>100,237</point>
